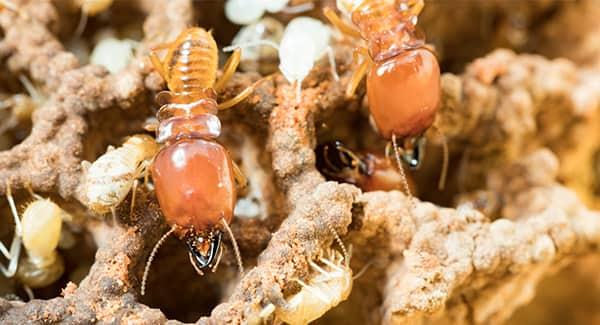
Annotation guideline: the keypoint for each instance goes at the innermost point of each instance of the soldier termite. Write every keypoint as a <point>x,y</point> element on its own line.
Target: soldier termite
<point>194,176</point>
<point>403,75</point>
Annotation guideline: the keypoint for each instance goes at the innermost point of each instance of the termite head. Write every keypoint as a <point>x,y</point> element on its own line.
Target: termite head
<point>335,160</point>
<point>413,151</point>
<point>205,250</point>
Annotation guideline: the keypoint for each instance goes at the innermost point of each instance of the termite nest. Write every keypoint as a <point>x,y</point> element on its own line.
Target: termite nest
<point>467,193</point>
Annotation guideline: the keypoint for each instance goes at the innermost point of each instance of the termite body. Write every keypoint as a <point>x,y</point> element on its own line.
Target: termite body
<point>194,176</point>
<point>395,61</point>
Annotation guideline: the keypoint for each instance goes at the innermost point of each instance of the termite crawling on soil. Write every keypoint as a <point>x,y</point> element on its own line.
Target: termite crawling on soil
<point>109,179</point>
<point>194,176</point>
<point>395,61</point>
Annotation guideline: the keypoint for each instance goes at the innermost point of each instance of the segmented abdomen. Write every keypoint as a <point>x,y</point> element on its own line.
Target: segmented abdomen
<point>386,27</point>
<point>192,65</point>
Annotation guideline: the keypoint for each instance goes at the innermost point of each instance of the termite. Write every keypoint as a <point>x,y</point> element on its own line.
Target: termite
<point>193,175</point>
<point>328,283</point>
<point>403,75</point>
<point>262,58</point>
<point>369,171</point>
<point>244,12</point>
<point>21,105</point>
<point>112,53</point>
<point>305,41</point>
<point>39,231</point>
<point>109,179</point>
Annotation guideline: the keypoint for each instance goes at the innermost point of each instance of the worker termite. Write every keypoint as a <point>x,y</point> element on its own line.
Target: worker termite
<point>21,106</point>
<point>262,58</point>
<point>39,230</point>
<point>244,12</point>
<point>194,176</point>
<point>109,179</point>
<point>403,75</point>
<point>370,172</point>
<point>328,284</point>
<point>305,41</point>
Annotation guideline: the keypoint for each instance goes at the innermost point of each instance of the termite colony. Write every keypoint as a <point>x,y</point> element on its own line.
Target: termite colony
<point>281,125</point>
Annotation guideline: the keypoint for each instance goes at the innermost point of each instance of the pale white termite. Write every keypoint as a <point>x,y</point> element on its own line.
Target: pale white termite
<point>328,284</point>
<point>41,232</point>
<point>112,53</point>
<point>109,179</point>
<point>305,41</point>
<point>262,58</point>
<point>244,12</point>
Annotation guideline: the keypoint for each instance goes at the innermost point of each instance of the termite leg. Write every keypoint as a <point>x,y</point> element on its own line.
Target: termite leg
<point>402,173</point>
<point>241,96</point>
<point>317,292</point>
<point>229,69</point>
<point>15,247</point>
<point>331,57</point>
<point>416,6</point>
<point>156,62</point>
<point>239,176</point>
<point>336,21</point>
<point>359,73</point>
<point>133,191</point>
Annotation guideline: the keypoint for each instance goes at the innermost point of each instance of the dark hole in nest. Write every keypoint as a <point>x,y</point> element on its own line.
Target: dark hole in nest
<point>176,289</point>
<point>76,248</point>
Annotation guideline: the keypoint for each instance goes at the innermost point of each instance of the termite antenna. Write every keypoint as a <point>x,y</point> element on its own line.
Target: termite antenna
<point>341,243</point>
<point>81,25</point>
<point>332,64</point>
<point>264,42</point>
<point>362,270</point>
<point>298,9</point>
<point>236,249</point>
<point>401,170</point>
<point>445,154</point>
<point>152,255</point>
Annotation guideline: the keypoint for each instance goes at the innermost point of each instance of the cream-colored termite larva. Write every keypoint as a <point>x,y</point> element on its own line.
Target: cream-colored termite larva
<point>244,12</point>
<point>305,41</point>
<point>112,53</point>
<point>41,230</point>
<point>328,284</point>
<point>109,179</point>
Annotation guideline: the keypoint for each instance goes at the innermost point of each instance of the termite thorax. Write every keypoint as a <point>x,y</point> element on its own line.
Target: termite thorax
<point>195,120</point>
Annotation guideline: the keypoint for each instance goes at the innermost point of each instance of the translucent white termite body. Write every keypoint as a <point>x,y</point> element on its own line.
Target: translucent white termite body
<point>112,53</point>
<point>41,230</point>
<point>305,41</point>
<point>244,12</point>
<point>328,284</point>
<point>262,58</point>
<point>110,178</point>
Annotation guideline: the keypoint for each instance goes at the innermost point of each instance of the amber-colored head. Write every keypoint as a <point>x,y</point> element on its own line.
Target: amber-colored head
<point>404,93</point>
